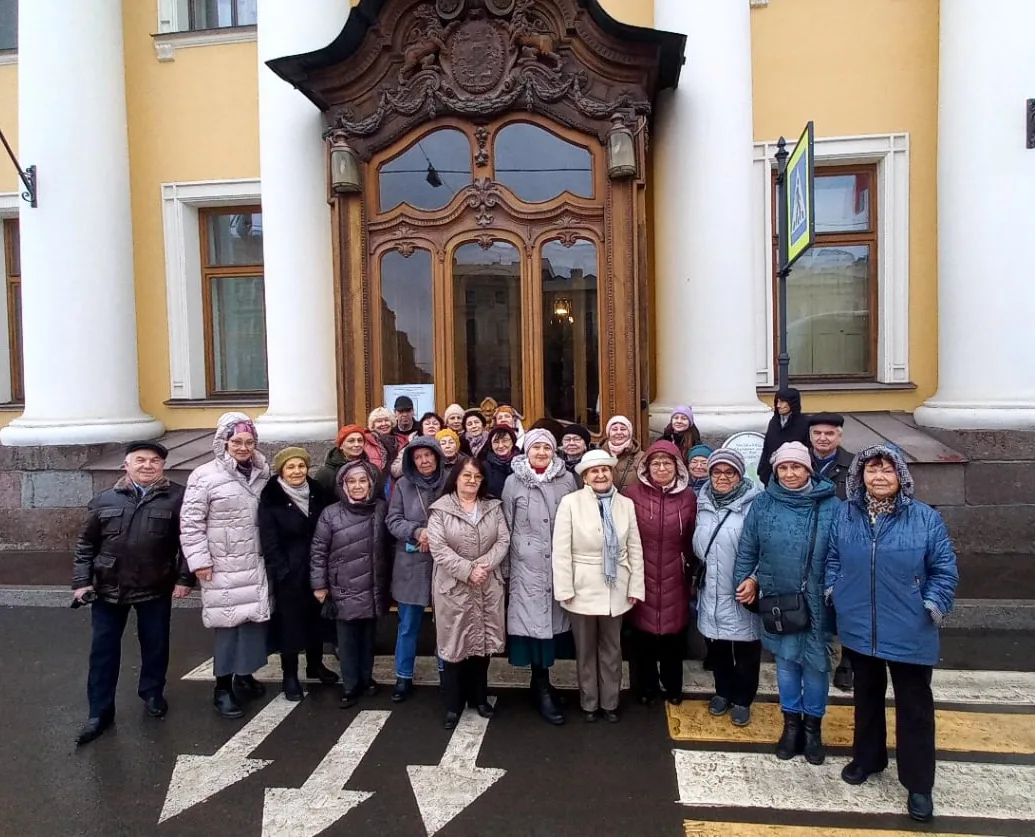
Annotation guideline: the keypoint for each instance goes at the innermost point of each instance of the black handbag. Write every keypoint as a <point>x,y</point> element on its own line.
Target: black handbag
<point>789,613</point>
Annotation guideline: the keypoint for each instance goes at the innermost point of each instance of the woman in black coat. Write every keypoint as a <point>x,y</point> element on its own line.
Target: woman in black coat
<point>788,424</point>
<point>289,507</point>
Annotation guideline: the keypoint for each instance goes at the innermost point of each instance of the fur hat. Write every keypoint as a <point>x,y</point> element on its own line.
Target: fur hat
<point>282,456</point>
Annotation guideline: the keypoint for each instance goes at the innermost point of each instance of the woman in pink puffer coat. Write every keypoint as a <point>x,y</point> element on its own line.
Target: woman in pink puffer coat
<point>219,535</point>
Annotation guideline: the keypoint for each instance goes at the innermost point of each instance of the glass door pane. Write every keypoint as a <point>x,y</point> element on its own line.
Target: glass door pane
<point>571,338</point>
<point>487,323</point>
<point>407,324</point>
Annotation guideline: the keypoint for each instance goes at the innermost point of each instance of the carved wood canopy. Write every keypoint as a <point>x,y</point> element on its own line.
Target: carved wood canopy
<point>399,63</point>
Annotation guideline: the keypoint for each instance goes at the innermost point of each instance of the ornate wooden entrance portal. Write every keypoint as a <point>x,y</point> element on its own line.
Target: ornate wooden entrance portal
<point>486,178</point>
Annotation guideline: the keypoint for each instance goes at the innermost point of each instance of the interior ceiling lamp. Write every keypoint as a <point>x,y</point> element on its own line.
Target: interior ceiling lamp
<point>345,171</point>
<point>433,178</point>
<point>562,309</point>
<point>621,151</point>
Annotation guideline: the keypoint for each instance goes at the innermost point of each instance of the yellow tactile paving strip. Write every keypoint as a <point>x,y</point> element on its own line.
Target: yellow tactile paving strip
<point>696,828</point>
<point>965,732</point>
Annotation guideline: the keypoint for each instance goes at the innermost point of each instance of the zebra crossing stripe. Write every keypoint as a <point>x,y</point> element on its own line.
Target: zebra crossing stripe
<point>966,732</point>
<point>703,828</point>
<point>712,779</point>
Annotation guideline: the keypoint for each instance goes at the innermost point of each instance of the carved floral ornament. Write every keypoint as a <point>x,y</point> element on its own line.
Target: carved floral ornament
<point>481,58</point>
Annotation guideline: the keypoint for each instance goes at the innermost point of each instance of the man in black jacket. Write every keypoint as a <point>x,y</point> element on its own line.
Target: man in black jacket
<point>831,461</point>
<point>128,557</point>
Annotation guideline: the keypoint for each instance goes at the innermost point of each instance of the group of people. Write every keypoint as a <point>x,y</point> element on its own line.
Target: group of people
<point>514,537</point>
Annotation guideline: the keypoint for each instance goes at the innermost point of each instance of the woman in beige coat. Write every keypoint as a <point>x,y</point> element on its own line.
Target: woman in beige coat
<point>469,540</point>
<point>219,534</point>
<point>597,577</point>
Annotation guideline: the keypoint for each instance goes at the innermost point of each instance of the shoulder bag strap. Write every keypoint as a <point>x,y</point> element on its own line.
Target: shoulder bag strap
<point>812,549</point>
<point>715,533</point>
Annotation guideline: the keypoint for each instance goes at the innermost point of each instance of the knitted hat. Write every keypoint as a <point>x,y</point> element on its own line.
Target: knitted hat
<point>447,431</point>
<point>534,437</point>
<point>379,413</point>
<point>682,410</point>
<point>453,410</point>
<point>702,450</point>
<point>792,452</point>
<point>592,459</point>
<point>580,431</point>
<point>618,420</point>
<point>346,431</point>
<point>726,456</point>
<point>281,457</point>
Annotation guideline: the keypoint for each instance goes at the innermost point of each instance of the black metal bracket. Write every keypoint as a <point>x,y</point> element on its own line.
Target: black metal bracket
<point>1031,123</point>
<point>27,175</point>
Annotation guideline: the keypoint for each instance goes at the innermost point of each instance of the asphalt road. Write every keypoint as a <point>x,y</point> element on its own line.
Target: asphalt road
<point>577,779</point>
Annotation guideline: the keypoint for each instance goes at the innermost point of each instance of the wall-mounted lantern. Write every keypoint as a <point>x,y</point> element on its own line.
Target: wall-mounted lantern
<point>346,173</point>
<point>621,150</point>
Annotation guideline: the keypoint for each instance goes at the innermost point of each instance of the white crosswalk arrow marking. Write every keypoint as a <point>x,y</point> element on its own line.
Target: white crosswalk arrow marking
<point>759,780</point>
<point>196,778</point>
<point>322,800</point>
<point>444,790</point>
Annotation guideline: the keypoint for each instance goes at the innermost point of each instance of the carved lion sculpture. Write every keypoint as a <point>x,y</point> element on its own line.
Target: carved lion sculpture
<point>533,45</point>
<point>426,40</point>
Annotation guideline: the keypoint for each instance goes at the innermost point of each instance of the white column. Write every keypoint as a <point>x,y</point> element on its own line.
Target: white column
<point>296,231</point>
<point>986,216</point>
<point>78,310</point>
<point>704,229</point>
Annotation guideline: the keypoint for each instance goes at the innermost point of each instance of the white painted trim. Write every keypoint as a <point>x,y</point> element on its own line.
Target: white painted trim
<point>180,205</point>
<point>758,4</point>
<point>891,154</point>
<point>10,203</point>
<point>8,56</point>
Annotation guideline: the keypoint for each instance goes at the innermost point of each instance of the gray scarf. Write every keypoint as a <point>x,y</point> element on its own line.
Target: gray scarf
<point>612,549</point>
<point>299,496</point>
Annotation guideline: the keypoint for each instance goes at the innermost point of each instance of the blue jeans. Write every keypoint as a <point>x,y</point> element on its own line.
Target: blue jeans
<point>410,617</point>
<point>802,688</point>
<point>109,622</point>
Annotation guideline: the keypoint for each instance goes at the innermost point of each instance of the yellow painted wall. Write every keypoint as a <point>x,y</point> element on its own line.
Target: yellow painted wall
<point>862,68</point>
<point>9,181</point>
<point>193,118</point>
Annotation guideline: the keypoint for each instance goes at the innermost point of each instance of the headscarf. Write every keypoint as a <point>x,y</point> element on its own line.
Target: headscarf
<point>617,451</point>
<point>343,473</point>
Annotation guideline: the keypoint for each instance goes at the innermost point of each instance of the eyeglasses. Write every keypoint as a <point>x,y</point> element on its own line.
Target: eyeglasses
<point>725,474</point>
<point>662,464</point>
<point>236,443</point>
<point>472,477</point>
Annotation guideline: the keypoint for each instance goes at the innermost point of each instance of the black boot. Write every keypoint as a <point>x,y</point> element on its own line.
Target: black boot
<point>920,807</point>
<point>291,687</point>
<point>815,752</point>
<point>93,729</point>
<point>226,704</point>
<point>542,696</point>
<point>316,670</point>
<point>247,687</point>
<point>403,689</point>
<point>792,740</point>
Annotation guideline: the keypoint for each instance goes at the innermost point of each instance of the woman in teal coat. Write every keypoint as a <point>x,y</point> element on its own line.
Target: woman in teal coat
<point>783,548</point>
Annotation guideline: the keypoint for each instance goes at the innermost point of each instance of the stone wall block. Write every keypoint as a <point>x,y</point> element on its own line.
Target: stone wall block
<point>51,457</point>
<point>10,490</point>
<point>56,489</point>
<point>995,529</point>
<point>939,484</point>
<point>1000,483</point>
<point>36,529</point>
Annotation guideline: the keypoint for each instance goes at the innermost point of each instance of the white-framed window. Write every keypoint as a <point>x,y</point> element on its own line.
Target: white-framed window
<point>870,276</point>
<point>10,319</point>
<point>204,361</point>
<point>193,23</point>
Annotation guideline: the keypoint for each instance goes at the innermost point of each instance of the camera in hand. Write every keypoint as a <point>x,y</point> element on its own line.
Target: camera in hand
<point>89,597</point>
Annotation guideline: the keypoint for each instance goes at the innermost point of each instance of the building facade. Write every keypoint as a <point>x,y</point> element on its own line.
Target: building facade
<point>567,205</point>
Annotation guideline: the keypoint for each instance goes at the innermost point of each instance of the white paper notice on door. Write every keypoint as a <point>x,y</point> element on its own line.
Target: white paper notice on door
<point>422,396</point>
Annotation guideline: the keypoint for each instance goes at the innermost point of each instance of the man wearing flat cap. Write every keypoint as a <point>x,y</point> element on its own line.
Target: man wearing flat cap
<point>829,459</point>
<point>128,558</point>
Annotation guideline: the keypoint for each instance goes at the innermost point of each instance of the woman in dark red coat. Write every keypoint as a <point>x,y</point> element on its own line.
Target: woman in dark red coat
<point>666,509</point>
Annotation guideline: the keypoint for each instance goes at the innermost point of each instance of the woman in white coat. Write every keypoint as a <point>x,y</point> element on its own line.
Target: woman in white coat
<point>219,534</point>
<point>597,577</point>
<point>731,630</point>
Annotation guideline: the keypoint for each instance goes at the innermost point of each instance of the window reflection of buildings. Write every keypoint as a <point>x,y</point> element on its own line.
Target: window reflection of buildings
<point>398,354</point>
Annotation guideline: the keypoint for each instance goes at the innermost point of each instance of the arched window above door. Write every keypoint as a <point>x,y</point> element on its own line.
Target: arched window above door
<point>537,165</point>
<point>429,173</point>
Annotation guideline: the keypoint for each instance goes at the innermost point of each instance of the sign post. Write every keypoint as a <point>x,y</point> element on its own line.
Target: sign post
<point>796,223</point>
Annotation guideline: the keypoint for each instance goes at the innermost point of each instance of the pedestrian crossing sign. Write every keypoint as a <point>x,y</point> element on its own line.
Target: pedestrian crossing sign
<point>799,195</point>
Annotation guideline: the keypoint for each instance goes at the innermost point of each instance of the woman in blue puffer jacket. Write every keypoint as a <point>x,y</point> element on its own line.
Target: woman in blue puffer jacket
<point>782,552</point>
<point>891,572</point>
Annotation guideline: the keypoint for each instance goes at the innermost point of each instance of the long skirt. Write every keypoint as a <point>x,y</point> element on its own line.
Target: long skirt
<point>240,650</point>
